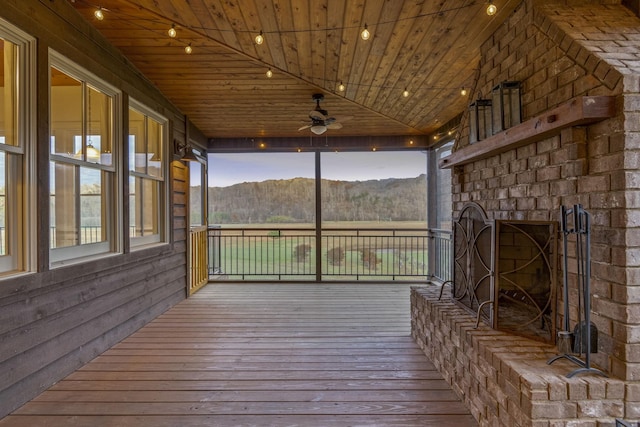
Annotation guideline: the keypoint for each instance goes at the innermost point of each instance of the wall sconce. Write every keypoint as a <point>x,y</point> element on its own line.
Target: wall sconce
<point>506,105</point>
<point>184,151</point>
<point>480,120</point>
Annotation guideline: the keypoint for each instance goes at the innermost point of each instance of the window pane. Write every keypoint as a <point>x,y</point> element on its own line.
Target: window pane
<point>196,194</point>
<point>154,147</point>
<point>92,206</point>
<point>9,95</point>
<point>381,189</point>
<point>134,224</point>
<point>150,201</point>
<point>99,138</point>
<point>137,150</point>
<point>262,188</point>
<point>444,206</point>
<point>66,115</point>
<point>144,205</point>
<point>3,203</point>
<point>64,231</point>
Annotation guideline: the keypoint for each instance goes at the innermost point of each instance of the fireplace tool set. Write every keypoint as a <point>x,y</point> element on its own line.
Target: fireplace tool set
<point>583,340</point>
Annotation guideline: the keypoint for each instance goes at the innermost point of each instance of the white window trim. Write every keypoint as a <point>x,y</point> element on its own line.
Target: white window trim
<point>113,220</point>
<point>162,237</point>
<point>21,218</point>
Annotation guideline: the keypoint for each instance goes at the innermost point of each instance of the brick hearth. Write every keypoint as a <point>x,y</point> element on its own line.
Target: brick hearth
<point>505,380</point>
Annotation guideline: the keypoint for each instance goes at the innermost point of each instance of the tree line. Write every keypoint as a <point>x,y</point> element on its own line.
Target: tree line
<point>293,201</point>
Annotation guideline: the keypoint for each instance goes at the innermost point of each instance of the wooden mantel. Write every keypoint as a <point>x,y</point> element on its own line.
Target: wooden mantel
<point>581,110</point>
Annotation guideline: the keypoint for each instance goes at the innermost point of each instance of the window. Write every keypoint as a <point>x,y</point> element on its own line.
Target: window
<point>442,187</point>
<point>197,191</point>
<point>83,171</point>
<point>16,82</point>
<point>147,212</point>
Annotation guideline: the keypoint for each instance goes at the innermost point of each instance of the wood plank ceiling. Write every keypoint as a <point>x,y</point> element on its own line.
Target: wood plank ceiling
<point>428,47</point>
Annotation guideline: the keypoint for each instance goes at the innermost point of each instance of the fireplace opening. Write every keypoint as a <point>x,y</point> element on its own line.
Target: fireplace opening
<point>505,272</point>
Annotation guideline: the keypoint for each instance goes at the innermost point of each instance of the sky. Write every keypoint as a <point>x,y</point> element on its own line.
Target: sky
<point>227,169</point>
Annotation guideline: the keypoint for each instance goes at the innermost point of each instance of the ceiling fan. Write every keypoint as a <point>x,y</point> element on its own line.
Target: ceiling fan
<point>320,120</point>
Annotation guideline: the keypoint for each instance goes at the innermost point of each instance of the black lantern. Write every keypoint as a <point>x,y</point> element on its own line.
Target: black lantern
<point>480,120</point>
<point>506,106</point>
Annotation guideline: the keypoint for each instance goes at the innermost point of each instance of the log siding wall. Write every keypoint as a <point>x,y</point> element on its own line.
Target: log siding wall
<point>55,320</point>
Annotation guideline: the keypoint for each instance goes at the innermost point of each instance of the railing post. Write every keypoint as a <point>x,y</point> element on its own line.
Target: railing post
<point>431,255</point>
<point>318,217</point>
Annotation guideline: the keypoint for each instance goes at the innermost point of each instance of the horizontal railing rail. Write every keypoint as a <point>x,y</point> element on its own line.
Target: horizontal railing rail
<point>347,254</point>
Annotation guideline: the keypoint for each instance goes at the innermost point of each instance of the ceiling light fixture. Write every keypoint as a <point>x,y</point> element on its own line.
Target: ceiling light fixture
<point>172,31</point>
<point>463,92</point>
<point>318,129</point>
<point>259,38</point>
<point>341,87</point>
<point>491,8</point>
<point>188,49</point>
<point>269,73</point>
<point>99,14</point>
<point>405,93</point>
<point>365,34</point>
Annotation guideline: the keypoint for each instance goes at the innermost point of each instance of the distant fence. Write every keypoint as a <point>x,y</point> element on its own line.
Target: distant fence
<point>346,254</point>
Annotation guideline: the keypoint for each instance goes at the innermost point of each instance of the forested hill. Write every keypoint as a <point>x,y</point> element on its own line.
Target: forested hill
<point>293,200</point>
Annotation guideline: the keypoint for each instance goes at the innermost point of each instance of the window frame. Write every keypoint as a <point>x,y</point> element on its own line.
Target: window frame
<point>204,181</point>
<point>20,161</point>
<point>112,188</point>
<point>138,242</point>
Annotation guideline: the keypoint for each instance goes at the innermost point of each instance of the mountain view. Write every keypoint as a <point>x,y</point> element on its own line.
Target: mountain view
<point>293,201</point>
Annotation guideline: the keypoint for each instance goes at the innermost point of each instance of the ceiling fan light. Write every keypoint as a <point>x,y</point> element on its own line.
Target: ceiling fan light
<point>99,14</point>
<point>318,129</point>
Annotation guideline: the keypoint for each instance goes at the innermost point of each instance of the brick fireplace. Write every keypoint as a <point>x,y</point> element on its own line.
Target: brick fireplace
<point>505,380</point>
<point>578,144</point>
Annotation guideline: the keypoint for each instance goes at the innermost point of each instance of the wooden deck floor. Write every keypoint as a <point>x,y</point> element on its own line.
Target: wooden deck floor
<point>261,355</point>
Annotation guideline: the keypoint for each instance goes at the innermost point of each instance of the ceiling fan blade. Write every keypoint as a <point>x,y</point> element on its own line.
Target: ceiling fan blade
<point>305,127</point>
<point>335,125</point>
<point>317,115</point>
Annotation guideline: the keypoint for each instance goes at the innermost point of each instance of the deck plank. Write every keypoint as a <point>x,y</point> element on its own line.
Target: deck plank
<point>261,355</point>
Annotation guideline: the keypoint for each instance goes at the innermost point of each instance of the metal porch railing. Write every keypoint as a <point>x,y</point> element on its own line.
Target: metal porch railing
<point>383,254</point>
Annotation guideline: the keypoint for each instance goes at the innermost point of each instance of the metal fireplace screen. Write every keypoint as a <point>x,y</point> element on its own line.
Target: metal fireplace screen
<point>505,272</point>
